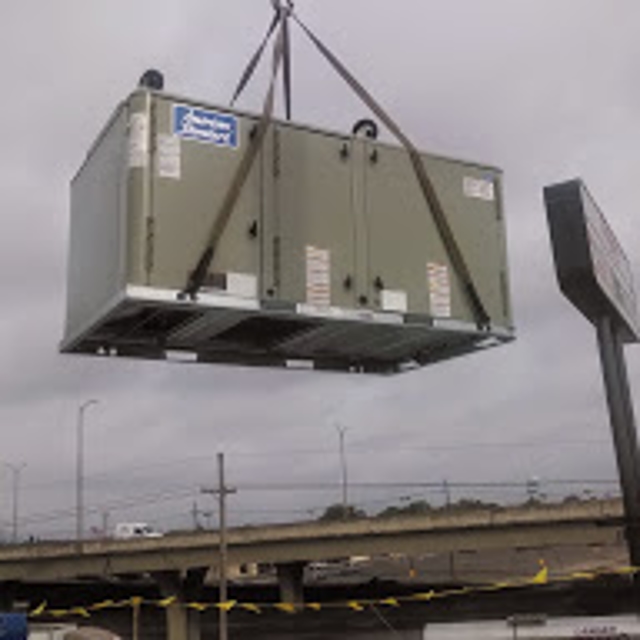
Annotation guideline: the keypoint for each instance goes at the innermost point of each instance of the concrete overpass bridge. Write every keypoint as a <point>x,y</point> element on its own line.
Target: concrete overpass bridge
<point>179,562</point>
<point>583,523</point>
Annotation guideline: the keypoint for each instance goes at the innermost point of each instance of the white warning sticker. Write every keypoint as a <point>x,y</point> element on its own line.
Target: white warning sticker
<point>318,277</point>
<point>243,285</point>
<point>168,156</point>
<point>393,300</point>
<point>479,188</point>
<point>138,140</point>
<point>439,290</point>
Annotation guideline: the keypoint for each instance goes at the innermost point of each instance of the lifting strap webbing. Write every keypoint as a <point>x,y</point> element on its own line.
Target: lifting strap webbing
<point>433,201</point>
<point>197,277</point>
<point>286,62</point>
<point>282,14</point>
<point>255,59</point>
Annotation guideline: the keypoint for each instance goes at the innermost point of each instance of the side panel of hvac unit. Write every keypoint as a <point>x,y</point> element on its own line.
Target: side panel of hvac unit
<point>143,206</point>
<point>314,213</point>
<point>190,178</point>
<point>96,267</point>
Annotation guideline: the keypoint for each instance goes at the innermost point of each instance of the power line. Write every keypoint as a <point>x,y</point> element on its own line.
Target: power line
<point>168,495</point>
<point>354,449</point>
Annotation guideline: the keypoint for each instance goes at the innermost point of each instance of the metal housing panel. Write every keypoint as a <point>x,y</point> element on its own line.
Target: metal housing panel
<point>313,209</point>
<point>96,265</point>
<point>402,236</point>
<point>472,198</point>
<point>187,201</point>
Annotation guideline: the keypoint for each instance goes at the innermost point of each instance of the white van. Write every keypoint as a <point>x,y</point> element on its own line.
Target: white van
<point>127,530</point>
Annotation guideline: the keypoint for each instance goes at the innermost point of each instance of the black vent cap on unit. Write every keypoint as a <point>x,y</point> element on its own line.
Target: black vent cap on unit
<point>152,79</point>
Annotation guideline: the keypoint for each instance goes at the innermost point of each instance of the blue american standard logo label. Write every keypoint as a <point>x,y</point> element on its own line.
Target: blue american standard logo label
<point>205,126</point>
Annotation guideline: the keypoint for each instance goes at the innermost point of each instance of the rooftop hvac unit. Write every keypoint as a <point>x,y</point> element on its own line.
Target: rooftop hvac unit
<point>331,257</point>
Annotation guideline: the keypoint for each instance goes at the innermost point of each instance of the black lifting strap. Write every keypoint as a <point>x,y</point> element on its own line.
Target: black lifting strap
<point>255,59</point>
<point>286,60</point>
<point>281,16</point>
<point>198,275</point>
<point>483,321</point>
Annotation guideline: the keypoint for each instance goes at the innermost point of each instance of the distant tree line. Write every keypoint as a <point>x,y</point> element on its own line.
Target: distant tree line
<point>337,512</point>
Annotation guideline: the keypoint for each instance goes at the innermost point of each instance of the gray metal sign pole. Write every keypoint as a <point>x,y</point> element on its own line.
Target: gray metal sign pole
<point>623,428</point>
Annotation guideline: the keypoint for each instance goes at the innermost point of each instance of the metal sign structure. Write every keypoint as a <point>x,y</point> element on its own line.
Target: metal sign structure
<point>595,274</point>
<point>593,270</point>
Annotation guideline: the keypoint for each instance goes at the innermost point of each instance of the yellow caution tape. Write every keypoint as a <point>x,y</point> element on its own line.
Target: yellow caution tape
<point>626,570</point>
<point>583,575</point>
<point>429,595</point>
<point>39,610</point>
<point>58,613</point>
<point>248,606</point>
<point>498,586</point>
<point>390,602</point>
<point>167,602</point>
<point>107,604</point>
<point>541,578</point>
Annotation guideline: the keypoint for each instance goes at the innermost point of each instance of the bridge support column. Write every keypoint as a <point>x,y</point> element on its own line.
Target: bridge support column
<point>6,596</point>
<point>182,623</point>
<point>290,581</point>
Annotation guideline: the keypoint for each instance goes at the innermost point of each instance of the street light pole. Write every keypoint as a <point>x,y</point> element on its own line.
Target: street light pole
<point>80,470</point>
<point>343,467</point>
<point>15,478</point>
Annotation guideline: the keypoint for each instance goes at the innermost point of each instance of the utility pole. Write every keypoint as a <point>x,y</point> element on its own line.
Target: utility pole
<point>105,524</point>
<point>222,492</point>
<point>194,516</point>
<point>15,469</point>
<point>447,493</point>
<point>343,468</point>
<point>80,472</point>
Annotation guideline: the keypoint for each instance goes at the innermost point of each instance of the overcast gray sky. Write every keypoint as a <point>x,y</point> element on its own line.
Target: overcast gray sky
<point>545,89</point>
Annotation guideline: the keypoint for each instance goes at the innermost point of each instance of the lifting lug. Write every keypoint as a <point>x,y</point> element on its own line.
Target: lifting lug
<point>367,127</point>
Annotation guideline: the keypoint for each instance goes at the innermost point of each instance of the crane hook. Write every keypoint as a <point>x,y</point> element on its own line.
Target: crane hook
<point>283,6</point>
